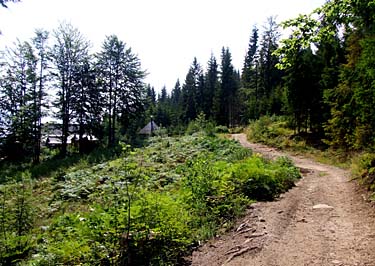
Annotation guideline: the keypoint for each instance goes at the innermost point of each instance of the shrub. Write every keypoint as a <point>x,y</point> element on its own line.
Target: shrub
<point>264,180</point>
<point>17,216</point>
<point>200,124</point>
<point>363,169</point>
<point>221,129</point>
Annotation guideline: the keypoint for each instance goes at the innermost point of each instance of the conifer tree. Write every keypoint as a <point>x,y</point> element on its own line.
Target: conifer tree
<point>269,75</point>
<point>87,104</point>
<point>176,104</point>
<point>121,81</point>
<point>191,91</point>
<point>303,91</point>
<point>248,94</point>
<point>228,91</point>
<point>248,71</point>
<point>150,100</point>
<point>351,120</point>
<point>163,112</point>
<point>69,52</point>
<point>211,87</point>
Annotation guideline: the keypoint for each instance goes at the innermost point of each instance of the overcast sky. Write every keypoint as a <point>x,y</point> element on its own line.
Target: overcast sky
<point>166,34</point>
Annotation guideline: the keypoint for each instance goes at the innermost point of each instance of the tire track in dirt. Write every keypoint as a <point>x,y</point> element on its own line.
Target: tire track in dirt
<point>324,220</point>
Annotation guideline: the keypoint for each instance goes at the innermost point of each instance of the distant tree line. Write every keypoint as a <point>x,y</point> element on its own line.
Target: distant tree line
<point>56,76</point>
<point>223,94</point>
<point>321,77</point>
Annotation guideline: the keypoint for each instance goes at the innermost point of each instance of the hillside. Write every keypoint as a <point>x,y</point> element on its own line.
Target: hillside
<point>150,206</point>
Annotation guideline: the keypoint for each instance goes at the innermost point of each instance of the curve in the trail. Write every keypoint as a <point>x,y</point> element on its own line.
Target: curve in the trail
<point>324,220</point>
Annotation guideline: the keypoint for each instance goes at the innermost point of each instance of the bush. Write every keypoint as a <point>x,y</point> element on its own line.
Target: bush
<point>264,180</point>
<point>236,130</point>
<point>200,124</point>
<point>221,129</point>
<point>276,131</point>
<point>363,169</point>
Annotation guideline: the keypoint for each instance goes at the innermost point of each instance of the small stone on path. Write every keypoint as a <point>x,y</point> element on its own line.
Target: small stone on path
<point>322,206</point>
<point>336,262</point>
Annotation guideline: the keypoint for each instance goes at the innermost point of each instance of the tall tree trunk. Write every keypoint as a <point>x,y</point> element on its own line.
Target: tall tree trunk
<point>65,119</point>
<point>38,134</point>
<point>110,107</point>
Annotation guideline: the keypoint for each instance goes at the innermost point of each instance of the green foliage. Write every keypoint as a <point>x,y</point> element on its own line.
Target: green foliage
<point>272,130</point>
<point>52,164</point>
<point>304,95</point>
<point>345,76</point>
<point>225,104</point>
<point>121,82</point>
<point>150,206</point>
<point>363,169</point>
<point>276,132</point>
<point>264,180</point>
<point>17,220</point>
<point>200,124</point>
<point>222,129</point>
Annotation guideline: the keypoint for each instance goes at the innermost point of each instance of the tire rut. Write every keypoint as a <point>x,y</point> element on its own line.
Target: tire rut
<point>322,221</point>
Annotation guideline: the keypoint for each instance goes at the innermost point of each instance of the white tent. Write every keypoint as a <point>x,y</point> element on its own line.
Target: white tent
<point>149,128</point>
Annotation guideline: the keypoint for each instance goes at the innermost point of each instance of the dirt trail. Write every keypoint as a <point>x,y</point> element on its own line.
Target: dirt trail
<point>324,220</point>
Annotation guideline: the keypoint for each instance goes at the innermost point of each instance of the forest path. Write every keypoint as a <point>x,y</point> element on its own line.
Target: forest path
<point>324,220</point>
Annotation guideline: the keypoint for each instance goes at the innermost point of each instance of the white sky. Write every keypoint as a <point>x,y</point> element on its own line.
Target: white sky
<point>166,34</point>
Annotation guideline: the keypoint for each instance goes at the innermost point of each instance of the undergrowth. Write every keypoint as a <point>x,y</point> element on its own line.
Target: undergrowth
<point>275,131</point>
<point>53,164</point>
<point>150,206</point>
<point>363,169</point>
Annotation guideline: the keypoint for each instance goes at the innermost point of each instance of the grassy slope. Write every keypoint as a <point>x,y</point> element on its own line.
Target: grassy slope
<point>148,207</point>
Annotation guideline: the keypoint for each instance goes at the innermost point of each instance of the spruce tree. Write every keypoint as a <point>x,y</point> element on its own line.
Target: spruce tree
<point>248,94</point>
<point>87,104</point>
<point>228,91</point>
<point>248,71</point>
<point>303,91</point>
<point>121,82</point>
<point>269,75</point>
<point>176,104</point>
<point>211,87</point>
<point>191,92</point>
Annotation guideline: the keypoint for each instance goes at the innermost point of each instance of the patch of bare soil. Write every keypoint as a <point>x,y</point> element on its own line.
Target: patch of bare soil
<point>324,220</point>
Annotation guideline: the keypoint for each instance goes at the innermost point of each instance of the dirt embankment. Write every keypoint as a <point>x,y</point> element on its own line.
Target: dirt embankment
<point>324,220</point>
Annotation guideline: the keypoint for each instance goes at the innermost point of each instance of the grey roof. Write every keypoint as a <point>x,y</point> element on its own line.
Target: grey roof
<point>149,128</point>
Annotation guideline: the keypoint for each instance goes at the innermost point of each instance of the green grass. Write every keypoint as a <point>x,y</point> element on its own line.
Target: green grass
<point>149,206</point>
<point>276,132</point>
